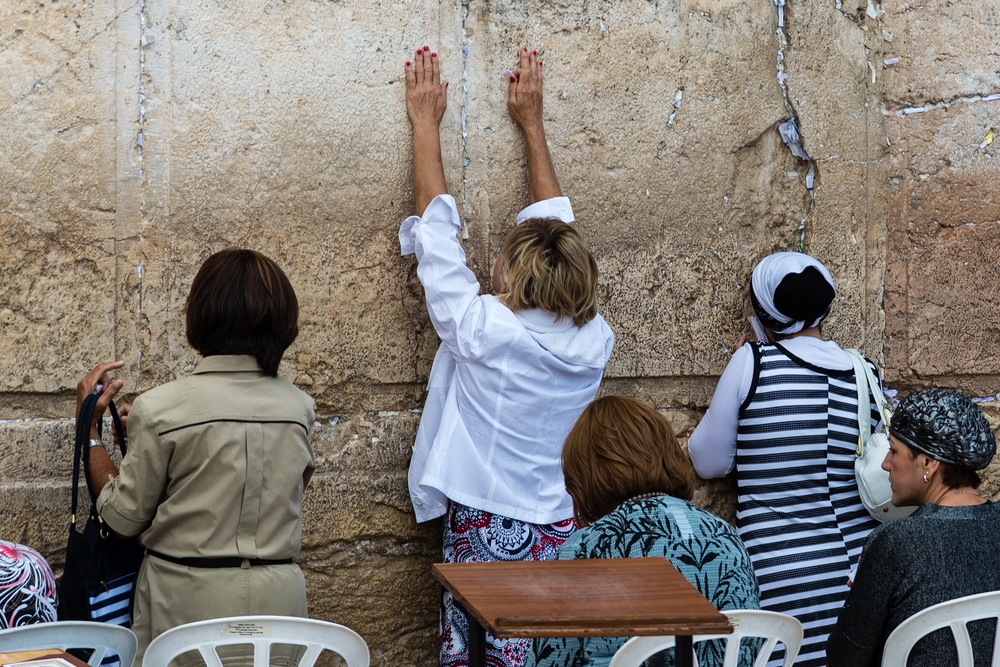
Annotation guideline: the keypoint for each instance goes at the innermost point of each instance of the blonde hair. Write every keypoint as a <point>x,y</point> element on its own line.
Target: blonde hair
<point>620,448</point>
<point>547,265</point>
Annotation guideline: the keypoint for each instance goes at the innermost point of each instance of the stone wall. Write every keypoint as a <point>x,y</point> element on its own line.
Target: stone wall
<point>136,138</point>
<point>943,317</point>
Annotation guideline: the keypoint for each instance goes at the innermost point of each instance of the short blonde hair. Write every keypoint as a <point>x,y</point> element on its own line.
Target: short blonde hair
<point>547,265</point>
<point>620,448</point>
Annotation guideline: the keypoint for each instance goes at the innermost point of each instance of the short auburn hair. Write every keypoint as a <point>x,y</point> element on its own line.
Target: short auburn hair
<point>547,265</point>
<point>242,303</point>
<point>620,448</point>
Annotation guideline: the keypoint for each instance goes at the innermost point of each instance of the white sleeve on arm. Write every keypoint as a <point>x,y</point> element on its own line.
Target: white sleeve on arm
<point>451,289</point>
<point>556,207</point>
<point>712,446</point>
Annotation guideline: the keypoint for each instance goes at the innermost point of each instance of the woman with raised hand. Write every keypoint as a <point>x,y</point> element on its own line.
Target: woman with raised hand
<point>785,416</point>
<point>514,370</point>
<point>945,550</point>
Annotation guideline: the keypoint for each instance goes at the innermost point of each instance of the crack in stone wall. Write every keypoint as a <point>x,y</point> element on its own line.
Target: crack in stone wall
<point>944,104</point>
<point>789,129</point>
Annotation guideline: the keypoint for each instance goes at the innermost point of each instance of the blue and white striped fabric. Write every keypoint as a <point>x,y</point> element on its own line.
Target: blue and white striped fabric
<point>799,512</point>
<point>110,605</point>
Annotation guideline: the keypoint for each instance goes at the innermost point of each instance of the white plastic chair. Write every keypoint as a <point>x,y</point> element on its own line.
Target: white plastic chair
<point>750,623</point>
<point>261,632</point>
<point>101,637</point>
<point>954,614</point>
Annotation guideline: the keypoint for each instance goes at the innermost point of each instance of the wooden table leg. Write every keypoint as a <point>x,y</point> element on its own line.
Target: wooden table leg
<point>683,651</point>
<point>477,642</point>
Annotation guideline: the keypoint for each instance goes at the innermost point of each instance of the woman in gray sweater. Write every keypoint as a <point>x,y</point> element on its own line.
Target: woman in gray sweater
<point>943,551</point>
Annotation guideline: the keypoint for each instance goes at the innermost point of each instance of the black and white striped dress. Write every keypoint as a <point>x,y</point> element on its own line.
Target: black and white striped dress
<point>799,512</point>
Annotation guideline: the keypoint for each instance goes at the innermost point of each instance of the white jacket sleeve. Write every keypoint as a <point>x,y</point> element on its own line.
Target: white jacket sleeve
<point>712,446</point>
<point>451,289</point>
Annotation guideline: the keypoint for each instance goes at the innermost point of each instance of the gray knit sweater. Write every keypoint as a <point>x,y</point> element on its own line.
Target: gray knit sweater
<point>934,555</point>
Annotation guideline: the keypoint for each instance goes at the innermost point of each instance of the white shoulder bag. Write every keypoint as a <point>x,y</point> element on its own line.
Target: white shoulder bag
<point>873,482</point>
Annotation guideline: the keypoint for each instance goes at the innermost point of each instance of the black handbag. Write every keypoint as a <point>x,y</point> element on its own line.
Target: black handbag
<point>101,567</point>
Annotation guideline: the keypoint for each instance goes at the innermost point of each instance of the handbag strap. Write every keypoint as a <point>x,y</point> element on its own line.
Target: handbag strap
<point>81,450</point>
<point>83,420</point>
<point>868,386</point>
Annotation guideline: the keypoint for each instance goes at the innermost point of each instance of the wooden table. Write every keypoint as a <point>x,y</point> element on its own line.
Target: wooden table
<point>613,597</point>
<point>40,654</point>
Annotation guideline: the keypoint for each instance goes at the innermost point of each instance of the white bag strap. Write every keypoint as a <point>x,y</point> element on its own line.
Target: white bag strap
<point>866,381</point>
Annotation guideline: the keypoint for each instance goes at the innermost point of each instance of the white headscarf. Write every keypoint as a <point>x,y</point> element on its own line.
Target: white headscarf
<point>766,278</point>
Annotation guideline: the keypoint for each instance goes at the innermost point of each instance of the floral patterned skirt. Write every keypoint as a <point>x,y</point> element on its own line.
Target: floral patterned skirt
<point>475,536</point>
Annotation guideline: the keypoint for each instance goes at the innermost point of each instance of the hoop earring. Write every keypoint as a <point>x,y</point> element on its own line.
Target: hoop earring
<point>926,481</point>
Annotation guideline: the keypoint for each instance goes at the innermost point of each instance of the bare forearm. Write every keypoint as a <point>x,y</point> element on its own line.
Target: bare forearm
<point>428,168</point>
<point>101,469</point>
<point>542,180</point>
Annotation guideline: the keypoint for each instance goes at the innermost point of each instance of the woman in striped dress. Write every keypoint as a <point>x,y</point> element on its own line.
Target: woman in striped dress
<point>784,415</point>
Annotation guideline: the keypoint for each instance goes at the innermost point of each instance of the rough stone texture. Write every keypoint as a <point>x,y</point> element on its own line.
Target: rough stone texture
<point>675,207</point>
<point>944,211</point>
<point>281,126</point>
<point>57,191</point>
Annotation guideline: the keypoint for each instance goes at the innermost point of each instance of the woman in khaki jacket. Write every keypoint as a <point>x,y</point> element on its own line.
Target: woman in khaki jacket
<point>217,461</point>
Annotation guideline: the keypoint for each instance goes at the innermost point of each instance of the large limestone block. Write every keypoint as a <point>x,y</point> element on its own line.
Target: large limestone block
<point>384,591</point>
<point>359,487</point>
<point>676,203</point>
<point>282,127</point>
<point>830,83</point>
<point>942,258</point>
<point>58,196</point>
<point>947,49</point>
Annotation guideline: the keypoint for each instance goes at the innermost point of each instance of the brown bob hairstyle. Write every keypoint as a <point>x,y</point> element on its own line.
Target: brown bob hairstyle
<point>242,303</point>
<point>620,448</point>
<point>547,265</point>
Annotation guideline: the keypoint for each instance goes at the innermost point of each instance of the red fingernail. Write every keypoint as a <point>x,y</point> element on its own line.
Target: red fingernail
<point>419,51</point>
<point>526,49</point>
<point>434,55</point>
<point>539,63</point>
<point>407,63</point>
<point>513,79</point>
<point>427,48</point>
<point>534,53</point>
<point>446,85</point>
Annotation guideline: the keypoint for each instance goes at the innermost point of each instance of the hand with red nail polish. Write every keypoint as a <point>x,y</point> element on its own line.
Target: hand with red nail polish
<point>425,94</point>
<point>426,102</point>
<point>525,106</point>
<point>525,99</point>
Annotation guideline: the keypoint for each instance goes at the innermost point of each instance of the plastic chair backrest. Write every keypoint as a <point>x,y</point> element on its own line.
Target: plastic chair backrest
<point>261,632</point>
<point>749,623</point>
<point>101,637</point>
<point>954,614</point>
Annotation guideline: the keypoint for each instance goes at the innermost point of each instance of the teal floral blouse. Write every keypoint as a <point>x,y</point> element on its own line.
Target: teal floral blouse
<point>704,548</point>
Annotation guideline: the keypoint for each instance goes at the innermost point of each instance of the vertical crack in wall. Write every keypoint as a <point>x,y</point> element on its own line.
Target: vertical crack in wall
<point>465,133</point>
<point>144,40</point>
<point>789,130</point>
